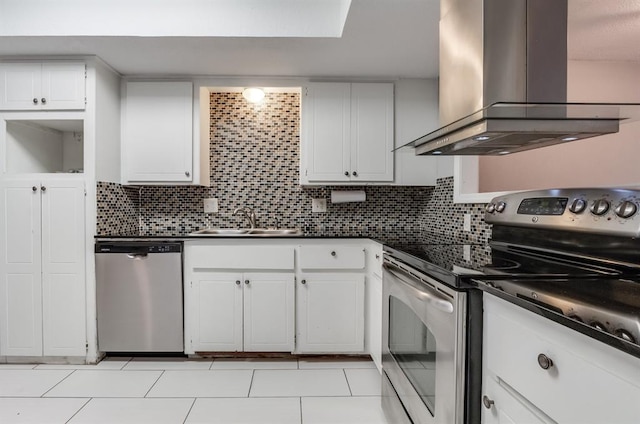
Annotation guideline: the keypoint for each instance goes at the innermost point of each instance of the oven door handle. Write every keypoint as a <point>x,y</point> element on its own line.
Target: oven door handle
<point>422,292</point>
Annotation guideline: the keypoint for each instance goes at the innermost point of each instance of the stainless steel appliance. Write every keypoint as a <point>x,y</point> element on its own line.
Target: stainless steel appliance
<point>503,81</point>
<point>572,256</point>
<point>139,296</point>
<point>423,347</point>
<point>588,230</point>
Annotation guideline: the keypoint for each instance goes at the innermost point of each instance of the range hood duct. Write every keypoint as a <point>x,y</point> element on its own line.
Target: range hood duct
<point>503,81</point>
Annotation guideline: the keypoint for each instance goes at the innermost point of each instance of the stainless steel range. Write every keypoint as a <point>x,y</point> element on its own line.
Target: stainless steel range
<point>572,256</point>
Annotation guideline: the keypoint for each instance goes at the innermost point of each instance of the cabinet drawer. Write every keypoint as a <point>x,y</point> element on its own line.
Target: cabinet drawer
<point>331,257</point>
<point>584,371</point>
<point>239,257</point>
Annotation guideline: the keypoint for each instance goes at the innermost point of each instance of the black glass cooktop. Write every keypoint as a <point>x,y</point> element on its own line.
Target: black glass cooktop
<point>453,263</point>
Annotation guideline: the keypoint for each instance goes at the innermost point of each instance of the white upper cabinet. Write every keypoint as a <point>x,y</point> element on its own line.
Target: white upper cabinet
<point>347,133</point>
<point>157,138</point>
<point>42,86</point>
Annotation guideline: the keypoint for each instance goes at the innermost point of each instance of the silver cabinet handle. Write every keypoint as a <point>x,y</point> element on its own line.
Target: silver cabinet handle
<point>246,282</point>
<point>303,282</point>
<point>187,173</point>
<point>43,188</point>
<point>377,256</point>
<point>544,361</point>
<point>423,292</point>
<point>238,282</point>
<point>44,101</point>
<point>35,101</point>
<point>488,403</point>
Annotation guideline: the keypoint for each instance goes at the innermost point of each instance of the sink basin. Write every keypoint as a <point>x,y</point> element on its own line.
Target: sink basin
<point>220,232</point>
<point>261,232</point>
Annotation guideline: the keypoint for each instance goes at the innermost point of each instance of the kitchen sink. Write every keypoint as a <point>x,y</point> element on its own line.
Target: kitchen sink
<point>261,232</point>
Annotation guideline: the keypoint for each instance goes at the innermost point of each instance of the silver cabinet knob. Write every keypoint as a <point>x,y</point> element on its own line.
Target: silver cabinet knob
<point>303,282</point>
<point>44,101</point>
<point>544,361</point>
<point>35,101</point>
<point>237,282</point>
<point>346,173</point>
<point>377,256</point>
<point>187,173</point>
<point>333,253</point>
<point>43,188</point>
<point>488,403</point>
<point>34,188</point>
<point>355,174</point>
<point>246,282</point>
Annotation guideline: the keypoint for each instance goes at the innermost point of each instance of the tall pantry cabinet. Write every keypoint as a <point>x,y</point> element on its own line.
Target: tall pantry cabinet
<point>48,174</point>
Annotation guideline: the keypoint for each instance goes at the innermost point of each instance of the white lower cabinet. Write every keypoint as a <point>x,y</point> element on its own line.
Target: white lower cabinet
<point>236,312</point>
<point>583,380</point>
<point>42,284</point>
<point>330,313</point>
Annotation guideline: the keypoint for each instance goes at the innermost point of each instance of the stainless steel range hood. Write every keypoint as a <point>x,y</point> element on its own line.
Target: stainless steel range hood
<point>503,81</point>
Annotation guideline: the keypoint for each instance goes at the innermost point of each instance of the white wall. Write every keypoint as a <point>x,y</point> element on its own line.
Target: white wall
<point>72,150</point>
<point>33,149</point>
<point>416,114</point>
<point>107,124</point>
<point>610,160</point>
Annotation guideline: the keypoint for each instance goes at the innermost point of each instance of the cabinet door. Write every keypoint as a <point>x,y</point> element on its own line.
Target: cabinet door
<point>371,132</point>
<point>217,312</point>
<point>158,133</point>
<point>330,313</point>
<point>63,271</point>
<point>268,312</point>
<point>508,406</point>
<point>326,122</point>
<point>20,269</point>
<point>63,85</point>
<point>20,86</point>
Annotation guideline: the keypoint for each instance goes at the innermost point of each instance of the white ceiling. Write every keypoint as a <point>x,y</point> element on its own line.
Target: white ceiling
<point>381,39</point>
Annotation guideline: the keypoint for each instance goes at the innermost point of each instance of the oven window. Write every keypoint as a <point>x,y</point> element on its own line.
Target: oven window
<point>413,346</point>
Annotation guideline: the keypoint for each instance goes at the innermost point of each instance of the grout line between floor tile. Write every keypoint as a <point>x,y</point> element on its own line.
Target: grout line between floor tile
<point>55,385</point>
<point>347,378</point>
<point>253,373</point>
<point>154,383</point>
<point>189,412</point>
<point>81,408</point>
<point>301,419</point>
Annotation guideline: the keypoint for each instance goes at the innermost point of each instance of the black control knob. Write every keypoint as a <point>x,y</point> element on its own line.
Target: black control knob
<point>500,207</point>
<point>490,208</point>
<point>578,206</point>
<point>600,207</point>
<point>598,326</point>
<point>625,335</point>
<point>626,209</point>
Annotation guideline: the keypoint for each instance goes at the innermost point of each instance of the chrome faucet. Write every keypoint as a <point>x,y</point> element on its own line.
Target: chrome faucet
<point>247,213</point>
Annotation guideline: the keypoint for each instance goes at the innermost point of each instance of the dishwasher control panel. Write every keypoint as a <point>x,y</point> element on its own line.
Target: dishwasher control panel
<point>138,247</point>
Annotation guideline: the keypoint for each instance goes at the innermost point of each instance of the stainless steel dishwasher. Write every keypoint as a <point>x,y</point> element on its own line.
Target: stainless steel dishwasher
<point>139,296</point>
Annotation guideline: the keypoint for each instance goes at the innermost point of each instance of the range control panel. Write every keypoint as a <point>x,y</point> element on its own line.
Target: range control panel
<point>606,211</point>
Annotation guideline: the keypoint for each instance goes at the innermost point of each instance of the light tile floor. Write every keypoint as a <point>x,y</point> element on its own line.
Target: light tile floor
<point>176,390</point>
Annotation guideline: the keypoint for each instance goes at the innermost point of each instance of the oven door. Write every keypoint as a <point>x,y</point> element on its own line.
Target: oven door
<point>423,347</point>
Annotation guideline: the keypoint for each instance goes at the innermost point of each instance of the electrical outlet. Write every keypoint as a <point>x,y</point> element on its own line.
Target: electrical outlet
<point>318,205</point>
<point>211,205</point>
<point>466,252</point>
<point>466,226</point>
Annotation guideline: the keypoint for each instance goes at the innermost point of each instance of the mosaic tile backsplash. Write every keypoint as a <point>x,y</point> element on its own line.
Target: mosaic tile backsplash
<point>255,163</point>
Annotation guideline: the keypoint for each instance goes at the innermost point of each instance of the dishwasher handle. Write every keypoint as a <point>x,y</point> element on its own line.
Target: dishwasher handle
<point>137,255</point>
